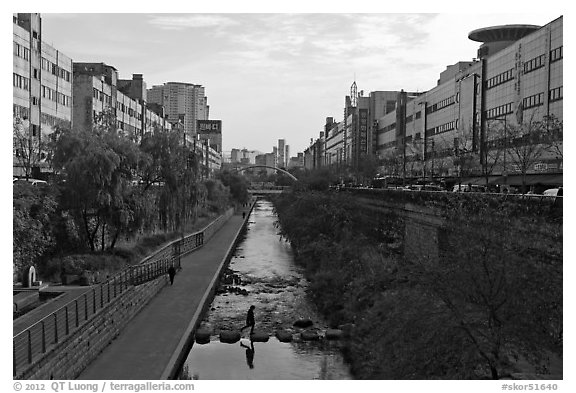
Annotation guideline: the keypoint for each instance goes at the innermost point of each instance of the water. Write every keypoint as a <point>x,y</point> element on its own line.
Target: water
<point>262,273</point>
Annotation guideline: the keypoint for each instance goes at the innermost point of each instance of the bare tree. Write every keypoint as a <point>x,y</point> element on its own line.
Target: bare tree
<point>554,135</point>
<point>526,145</point>
<point>494,145</point>
<point>28,148</point>
<point>392,162</point>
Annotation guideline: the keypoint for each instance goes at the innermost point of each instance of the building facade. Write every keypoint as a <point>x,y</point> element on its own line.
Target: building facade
<point>98,90</point>
<point>468,124</point>
<point>183,102</point>
<point>281,153</point>
<point>42,94</point>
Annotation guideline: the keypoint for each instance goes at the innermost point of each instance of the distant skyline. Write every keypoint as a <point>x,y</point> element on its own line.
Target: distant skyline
<point>277,76</point>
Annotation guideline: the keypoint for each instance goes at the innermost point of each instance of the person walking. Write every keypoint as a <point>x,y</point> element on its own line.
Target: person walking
<point>250,320</point>
<point>171,274</point>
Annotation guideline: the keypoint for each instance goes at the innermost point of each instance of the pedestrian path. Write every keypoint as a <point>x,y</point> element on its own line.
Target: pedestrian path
<point>34,316</point>
<point>147,347</point>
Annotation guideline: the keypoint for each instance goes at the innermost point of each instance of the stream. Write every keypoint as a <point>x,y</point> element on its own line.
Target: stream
<point>262,272</point>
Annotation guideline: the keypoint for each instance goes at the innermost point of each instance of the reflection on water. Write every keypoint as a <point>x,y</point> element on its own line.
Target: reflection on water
<point>270,360</point>
<point>265,276</point>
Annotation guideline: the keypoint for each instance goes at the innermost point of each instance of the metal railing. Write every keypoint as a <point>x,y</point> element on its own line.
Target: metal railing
<point>36,341</point>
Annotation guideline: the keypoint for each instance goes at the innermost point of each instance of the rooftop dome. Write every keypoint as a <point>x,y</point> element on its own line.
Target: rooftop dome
<point>502,33</point>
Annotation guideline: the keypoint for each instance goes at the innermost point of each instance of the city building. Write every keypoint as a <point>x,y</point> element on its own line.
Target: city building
<point>211,131</point>
<point>42,94</point>
<point>472,125</point>
<point>267,159</point>
<point>281,153</point>
<point>182,102</point>
<point>98,90</point>
<point>467,125</point>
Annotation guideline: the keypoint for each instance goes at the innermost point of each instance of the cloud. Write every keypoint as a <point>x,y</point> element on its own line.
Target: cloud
<point>182,22</point>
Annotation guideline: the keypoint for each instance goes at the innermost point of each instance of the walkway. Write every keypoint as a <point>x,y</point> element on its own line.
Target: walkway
<point>149,343</point>
<point>33,316</point>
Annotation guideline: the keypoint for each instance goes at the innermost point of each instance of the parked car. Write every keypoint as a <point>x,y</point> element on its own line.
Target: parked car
<point>34,182</point>
<point>553,192</point>
<point>468,188</point>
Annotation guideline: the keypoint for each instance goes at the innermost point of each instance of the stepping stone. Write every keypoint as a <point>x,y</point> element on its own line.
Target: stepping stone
<point>202,336</point>
<point>303,323</point>
<point>229,336</point>
<point>284,336</point>
<point>309,335</point>
<point>259,337</point>
<point>334,334</point>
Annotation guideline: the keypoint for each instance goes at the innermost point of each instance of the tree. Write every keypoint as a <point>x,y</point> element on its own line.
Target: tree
<point>32,220</point>
<point>526,144</point>
<point>98,166</point>
<point>28,148</point>
<point>392,162</point>
<point>553,135</point>
<point>237,184</point>
<point>503,289</point>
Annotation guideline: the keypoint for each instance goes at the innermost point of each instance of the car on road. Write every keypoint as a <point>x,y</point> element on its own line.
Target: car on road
<point>468,188</point>
<point>33,182</point>
<point>556,192</point>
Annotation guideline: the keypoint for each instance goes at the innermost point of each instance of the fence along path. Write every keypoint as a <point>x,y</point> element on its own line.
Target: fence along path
<point>33,343</point>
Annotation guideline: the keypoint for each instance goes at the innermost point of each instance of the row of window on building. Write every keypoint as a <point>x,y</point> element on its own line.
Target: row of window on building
<point>54,69</point>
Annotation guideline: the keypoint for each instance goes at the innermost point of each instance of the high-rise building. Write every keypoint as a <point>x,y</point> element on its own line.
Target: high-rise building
<point>183,102</point>
<point>281,153</point>
<point>42,91</point>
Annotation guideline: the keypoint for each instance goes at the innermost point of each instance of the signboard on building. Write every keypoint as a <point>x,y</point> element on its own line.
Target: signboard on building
<point>363,132</point>
<point>209,126</point>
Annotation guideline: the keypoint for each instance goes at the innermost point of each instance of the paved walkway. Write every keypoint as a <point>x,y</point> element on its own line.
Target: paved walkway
<point>148,346</point>
<point>33,316</point>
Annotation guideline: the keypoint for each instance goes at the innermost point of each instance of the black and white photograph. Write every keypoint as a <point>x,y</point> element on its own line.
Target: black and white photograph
<point>226,196</point>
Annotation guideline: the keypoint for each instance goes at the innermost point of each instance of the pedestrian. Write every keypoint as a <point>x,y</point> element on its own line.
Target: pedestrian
<point>250,320</point>
<point>171,274</point>
<point>243,214</point>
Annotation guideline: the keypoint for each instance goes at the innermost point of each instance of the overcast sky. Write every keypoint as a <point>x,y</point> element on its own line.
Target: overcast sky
<point>277,75</point>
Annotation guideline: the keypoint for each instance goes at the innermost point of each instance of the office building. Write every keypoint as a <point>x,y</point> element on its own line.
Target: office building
<point>476,107</point>
<point>42,94</point>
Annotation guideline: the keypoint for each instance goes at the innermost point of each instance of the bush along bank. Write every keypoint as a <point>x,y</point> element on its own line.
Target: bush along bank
<point>494,296</point>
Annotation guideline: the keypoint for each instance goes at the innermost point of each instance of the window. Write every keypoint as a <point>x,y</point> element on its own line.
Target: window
<point>500,79</point>
<point>555,94</point>
<point>534,64</point>
<point>36,73</point>
<point>499,111</point>
<point>532,101</point>
<point>556,54</point>
<point>35,100</point>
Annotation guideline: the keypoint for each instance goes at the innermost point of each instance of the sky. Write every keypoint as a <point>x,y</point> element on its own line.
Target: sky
<point>276,75</point>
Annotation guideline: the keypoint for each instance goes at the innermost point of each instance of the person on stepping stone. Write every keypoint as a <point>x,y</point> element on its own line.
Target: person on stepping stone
<point>250,320</point>
<point>249,353</point>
